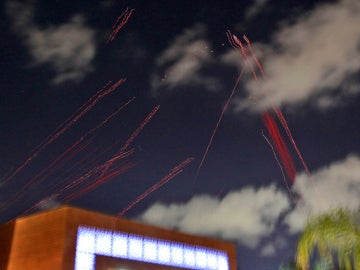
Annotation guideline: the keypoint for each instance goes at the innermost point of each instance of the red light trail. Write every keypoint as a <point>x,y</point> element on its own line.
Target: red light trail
<point>67,155</point>
<point>280,166</point>
<point>133,136</point>
<point>92,175</point>
<point>120,22</point>
<point>254,56</point>
<point>100,181</point>
<point>84,173</point>
<point>237,45</point>
<point>280,145</point>
<point>141,126</point>
<point>274,132</point>
<point>76,184</point>
<point>67,124</point>
<point>219,121</point>
<point>85,136</point>
<point>172,173</point>
<point>277,141</point>
<point>288,132</point>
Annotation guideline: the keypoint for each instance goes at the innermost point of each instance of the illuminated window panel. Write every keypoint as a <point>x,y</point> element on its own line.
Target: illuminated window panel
<point>120,245</point>
<point>150,251</point>
<point>84,261</point>
<point>189,257</point>
<point>212,260</point>
<point>92,242</point>
<point>135,248</point>
<point>177,254</point>
<point>201,260</point>
<point>223,262</point>
<point>85,241</point>
<point>103,242</point>
<point>164,252</point>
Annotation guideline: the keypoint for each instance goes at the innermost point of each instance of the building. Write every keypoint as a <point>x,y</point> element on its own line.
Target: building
<point>70,238</point>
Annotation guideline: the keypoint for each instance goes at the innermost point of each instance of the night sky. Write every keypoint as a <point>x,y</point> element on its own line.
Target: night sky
<point>55,56</point>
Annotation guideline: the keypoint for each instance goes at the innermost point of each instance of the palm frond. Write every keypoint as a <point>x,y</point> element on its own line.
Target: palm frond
<point>334,232</point>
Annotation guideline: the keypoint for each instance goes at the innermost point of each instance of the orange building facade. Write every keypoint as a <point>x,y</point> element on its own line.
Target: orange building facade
<point>70,238</point>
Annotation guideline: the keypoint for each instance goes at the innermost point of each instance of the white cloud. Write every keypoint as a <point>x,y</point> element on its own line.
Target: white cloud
<point>68,48</point>
<point>337,185</point>
<point>21,14</point>
<point>255,8</point>
<point>251,215</point>
<point>270,249</point>
<point>182,62</point>
<point>309,59</point>
<point>107,3</point>
<point>246,215</point>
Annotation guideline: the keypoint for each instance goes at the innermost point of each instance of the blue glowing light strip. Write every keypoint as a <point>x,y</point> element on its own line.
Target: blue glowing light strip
<point>91,242</point>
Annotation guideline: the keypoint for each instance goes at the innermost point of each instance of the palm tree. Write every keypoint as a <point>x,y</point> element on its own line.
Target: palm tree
<point>333,233</point>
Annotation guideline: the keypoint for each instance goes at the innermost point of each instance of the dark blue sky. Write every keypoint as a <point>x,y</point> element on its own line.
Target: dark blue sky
<point>176,54</point>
